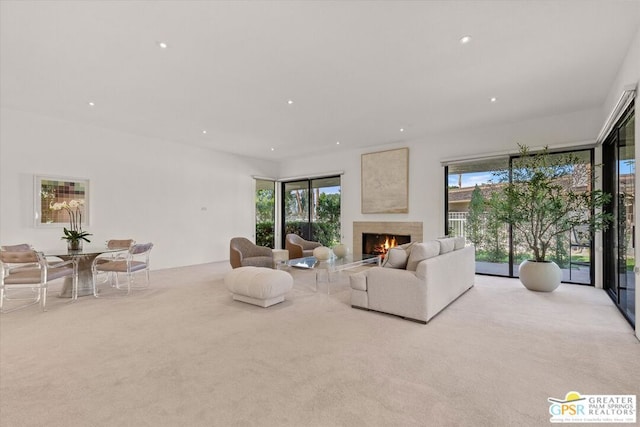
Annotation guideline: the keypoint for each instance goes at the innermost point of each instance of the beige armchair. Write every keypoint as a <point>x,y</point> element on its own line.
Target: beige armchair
<point>243,253</point>
<point>298,247</point>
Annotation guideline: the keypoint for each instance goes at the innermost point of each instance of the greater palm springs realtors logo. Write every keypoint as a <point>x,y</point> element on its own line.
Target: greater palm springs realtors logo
<point>596,408</point>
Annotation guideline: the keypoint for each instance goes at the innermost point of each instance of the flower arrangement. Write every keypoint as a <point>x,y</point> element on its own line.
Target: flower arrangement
<point>74,233</point>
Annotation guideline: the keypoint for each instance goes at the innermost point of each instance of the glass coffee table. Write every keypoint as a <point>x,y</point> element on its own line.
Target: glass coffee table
<point>330,266</point>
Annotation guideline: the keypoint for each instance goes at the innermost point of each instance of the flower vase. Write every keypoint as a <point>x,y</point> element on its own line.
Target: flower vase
<point>74,245</point>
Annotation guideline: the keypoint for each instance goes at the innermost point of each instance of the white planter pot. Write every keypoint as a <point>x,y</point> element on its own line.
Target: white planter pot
<point>540,276</point>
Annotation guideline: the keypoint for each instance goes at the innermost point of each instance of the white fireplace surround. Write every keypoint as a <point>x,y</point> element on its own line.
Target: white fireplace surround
<point>413,229</point>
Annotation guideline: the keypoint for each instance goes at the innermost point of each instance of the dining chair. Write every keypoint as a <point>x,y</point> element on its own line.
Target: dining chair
<point>51,261</point>
<point>123,244</point>
<point>135,260</point>
<point>120,243</point>
<point>16,248</point>
<point>24,269</point>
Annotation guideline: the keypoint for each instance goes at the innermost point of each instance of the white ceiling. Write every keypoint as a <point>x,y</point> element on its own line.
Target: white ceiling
<point>357,71</point>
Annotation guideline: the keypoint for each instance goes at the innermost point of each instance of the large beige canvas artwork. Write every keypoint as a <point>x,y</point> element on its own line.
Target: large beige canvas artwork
<point>385,181</point>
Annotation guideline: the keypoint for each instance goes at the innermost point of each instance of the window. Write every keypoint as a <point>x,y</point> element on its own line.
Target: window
<point>265,212</point>
<point>311,209</point>
<point>619,177</point>
<point>499,251</point>
<point>467,189</point>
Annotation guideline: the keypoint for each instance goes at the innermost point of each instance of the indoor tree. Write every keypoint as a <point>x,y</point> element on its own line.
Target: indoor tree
<point>545,195</point>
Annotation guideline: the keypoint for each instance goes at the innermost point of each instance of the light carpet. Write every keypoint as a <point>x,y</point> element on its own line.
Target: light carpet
<point>184,353</point>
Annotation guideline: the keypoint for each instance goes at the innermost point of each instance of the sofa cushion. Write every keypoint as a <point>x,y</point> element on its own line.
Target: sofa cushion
<point>396,258</point>
<point>407,247</point>
<point>459,243</point>
<point>446,245</point>
<point>422,251</point>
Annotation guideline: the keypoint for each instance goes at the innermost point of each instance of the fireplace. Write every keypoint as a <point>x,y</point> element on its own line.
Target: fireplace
<point>391,228</point>
<point>379,244</point>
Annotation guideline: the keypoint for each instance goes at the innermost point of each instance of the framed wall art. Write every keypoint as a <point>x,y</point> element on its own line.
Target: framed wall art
<point>54,194</point>
<point>385,181</point>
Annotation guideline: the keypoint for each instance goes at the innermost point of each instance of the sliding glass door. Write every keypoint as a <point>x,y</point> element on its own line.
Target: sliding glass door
<point>619,174</point>
<point>571,250</point>
<point>499,250</point>
<point>311,209</point>
<point>467,191</point>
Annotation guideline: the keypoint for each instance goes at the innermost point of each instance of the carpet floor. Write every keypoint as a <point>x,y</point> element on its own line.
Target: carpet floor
<point>184,353</point>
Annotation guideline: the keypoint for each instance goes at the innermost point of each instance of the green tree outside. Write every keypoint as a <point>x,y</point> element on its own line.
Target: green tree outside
<point>474,225</point>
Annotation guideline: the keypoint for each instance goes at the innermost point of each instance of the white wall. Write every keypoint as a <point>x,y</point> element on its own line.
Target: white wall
<point>426,175</point>
<point>629,74</point>
<point>143,188</point>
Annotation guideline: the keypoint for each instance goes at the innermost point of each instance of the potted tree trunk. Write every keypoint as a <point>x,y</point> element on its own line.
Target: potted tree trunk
<point>543,196</point>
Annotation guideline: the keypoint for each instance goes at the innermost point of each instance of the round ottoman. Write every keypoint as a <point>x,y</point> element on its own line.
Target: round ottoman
<point>258,285</point>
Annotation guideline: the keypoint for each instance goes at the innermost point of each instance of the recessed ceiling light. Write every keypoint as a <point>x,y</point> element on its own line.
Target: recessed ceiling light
<point>290,102</point>
<point>337,142</point>
<point>494,99</point>
<point>91,103</point>
<point>465,39</point>
<point>273,149</point>
<point>163,45</point>
<point>204,132</point>
<point>401,129</point>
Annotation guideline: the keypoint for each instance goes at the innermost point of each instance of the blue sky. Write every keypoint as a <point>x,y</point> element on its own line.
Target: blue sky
<point>471,179</point>
<point>330,190</point>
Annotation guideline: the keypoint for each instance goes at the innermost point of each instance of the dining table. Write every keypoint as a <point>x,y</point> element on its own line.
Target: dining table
<point>84,257</point>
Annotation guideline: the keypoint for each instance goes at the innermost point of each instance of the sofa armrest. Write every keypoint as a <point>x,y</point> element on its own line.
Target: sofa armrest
<point>235,258</point>
<point>447,277</point>
<point>398,292</point>
<point>358,281</point>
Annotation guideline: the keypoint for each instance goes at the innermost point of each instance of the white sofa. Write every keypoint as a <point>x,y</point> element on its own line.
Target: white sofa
<point>437,272</point>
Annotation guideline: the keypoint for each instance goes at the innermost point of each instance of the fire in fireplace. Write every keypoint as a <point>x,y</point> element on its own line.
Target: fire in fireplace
<point>379,244</point>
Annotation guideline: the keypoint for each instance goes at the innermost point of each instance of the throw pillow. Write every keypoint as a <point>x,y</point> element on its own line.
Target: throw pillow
<point>422,251</point>
<point>459,243</point>
<point>407,247</point>
<point>446,245</point>
<point>396,258</point>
